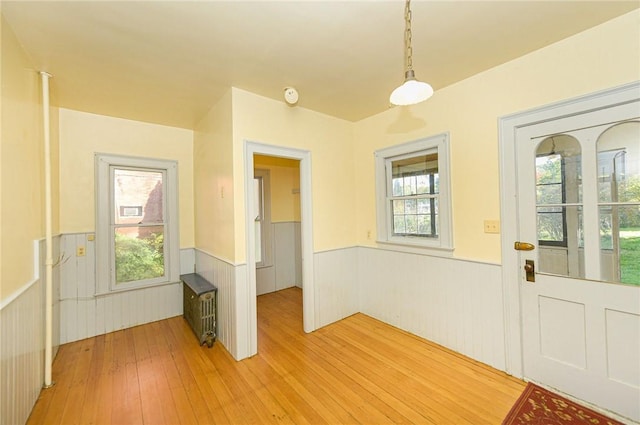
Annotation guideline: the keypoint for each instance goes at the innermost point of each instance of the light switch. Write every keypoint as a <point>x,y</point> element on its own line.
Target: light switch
<point>492,226</point>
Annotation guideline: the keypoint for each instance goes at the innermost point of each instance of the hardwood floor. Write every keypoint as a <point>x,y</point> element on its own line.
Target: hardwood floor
<point>358,370</point>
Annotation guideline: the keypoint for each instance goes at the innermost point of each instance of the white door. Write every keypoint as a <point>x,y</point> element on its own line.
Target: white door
<point>578,183</point>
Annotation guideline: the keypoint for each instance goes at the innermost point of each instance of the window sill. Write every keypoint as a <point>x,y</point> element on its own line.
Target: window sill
<point>415,248</point>
<point>135,288</point>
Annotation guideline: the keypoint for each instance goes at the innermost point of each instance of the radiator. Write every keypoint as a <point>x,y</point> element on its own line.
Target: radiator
<point>199,304</point>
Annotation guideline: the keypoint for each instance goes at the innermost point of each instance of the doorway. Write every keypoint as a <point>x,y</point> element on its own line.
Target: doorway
<point>566,174</point>
<point>278,242</point>
<point>302,159</point>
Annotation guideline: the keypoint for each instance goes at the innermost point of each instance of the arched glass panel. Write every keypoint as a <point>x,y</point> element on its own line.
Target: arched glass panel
<point>619,202</point>
<point>559,205</point>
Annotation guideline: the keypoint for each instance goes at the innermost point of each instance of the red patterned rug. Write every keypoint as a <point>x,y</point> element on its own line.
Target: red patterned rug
<point>537,406</point>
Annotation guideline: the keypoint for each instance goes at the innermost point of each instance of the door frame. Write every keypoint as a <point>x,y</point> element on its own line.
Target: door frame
<point>508,127</point>
<point>308,285</point>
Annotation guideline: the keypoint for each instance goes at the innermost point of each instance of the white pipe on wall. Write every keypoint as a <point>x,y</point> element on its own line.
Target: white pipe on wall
<point>48,340</point>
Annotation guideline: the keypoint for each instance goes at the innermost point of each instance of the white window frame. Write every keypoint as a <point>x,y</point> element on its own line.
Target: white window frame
<point>105,249</point>
<point>383,157</point>
<point>264,212</point>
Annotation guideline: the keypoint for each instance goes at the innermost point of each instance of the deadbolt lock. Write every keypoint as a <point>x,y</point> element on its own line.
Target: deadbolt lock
<point>530,270</point>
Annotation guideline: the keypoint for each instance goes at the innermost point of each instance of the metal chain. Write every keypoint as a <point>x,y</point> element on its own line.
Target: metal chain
<point>407,35</point>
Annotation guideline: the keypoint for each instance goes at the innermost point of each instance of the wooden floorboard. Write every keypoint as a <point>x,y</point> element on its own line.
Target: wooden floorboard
<point>356,371</point>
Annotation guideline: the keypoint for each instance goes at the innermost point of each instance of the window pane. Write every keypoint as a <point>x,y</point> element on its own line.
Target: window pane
<point>436,215</point>
<point>411,224</point>
<point>628,239</point>
<point>137,196</point>
<point>424,224</point>
<point>257,202</point>
<point>558,181</point>
<point>397,187</point>
<point>619,182</point>
<point>411,175</point>
<point>398,207</point>
<point>398,224</point>
<point>414,217</point>
<point>139,253</point>
<point>549,169</point>
<point>424,206</point>
<point>549,194</point>
<point>423,185</point>
<point>620,244</point>
<point>409,185</point>
<point>550,226</point>
<point>410,206</point>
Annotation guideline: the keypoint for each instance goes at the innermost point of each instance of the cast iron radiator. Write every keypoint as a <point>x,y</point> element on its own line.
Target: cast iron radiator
<point>199,306</point>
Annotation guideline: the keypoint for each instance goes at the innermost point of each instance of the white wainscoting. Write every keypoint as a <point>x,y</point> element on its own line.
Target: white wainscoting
<point>287,255</point>
<point>22,327</point>
<point>57,261</point>
<point>335,280</point>
<point>336,285</point>
<point>22,354</point>
<point>224,276</point>
<point>83,314</point>
<point>286,269</point>
<point>455,303</point>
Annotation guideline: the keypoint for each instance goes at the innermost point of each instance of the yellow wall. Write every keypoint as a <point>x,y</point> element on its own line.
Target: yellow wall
<point>330,140</point>
<point>603,57</point>
<point>213,176</point>
<point>21,190</point>
<point>285,187</point>
<point>82,135</point>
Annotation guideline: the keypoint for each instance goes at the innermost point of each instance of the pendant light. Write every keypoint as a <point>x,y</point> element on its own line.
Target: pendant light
<point>411,91</point>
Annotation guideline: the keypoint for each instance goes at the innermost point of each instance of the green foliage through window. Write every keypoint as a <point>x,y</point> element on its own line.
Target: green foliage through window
<point>139,258</point>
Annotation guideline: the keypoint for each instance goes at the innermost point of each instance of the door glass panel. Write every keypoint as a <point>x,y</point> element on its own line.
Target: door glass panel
<point>619,202</point>
<point>558,202</point>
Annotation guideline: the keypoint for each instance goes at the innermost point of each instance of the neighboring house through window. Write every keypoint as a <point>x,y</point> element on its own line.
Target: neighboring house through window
<point>137,225</point>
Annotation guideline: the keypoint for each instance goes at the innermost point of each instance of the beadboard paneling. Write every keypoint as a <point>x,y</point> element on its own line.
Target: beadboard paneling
<point>336,285</point>
<point>22,354</point>
<point>57,260</point>
<point>286,270</point>
<point>22,331</point>
<point>83,314</point>
<point>455,303</point>
<point>287,257</point>
<point>223,275</point>
<point>265,280</point>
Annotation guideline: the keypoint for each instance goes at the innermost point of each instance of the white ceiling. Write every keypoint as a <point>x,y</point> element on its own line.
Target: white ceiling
<point>168,62</point>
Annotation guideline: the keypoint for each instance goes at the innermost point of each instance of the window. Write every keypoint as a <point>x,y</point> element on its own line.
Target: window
<point>262,196</point>
<point>550,195</point>
<point>137,226</point>
<point>558,197</point>
<point>412,188</point>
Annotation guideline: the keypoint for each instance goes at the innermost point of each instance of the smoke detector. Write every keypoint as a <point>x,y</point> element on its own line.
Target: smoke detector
<point>291,95</point>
